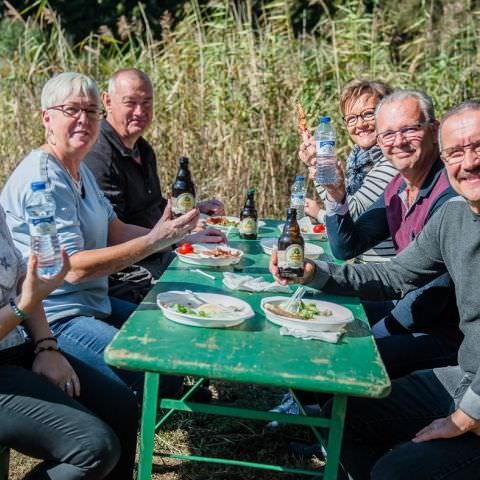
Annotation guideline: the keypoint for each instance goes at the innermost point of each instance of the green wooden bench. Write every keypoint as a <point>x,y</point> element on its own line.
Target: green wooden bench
<point>4,461</point>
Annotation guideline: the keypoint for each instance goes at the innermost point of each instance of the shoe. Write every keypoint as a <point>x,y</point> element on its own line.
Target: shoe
<point>305,451</point>
<point>289,406</point>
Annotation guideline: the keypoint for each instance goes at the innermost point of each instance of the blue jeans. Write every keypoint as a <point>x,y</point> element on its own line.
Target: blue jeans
<point>86,338</point>
<point>376,442</point>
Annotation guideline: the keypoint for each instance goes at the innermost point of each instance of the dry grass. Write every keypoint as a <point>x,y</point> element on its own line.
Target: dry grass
<point>227,82</point>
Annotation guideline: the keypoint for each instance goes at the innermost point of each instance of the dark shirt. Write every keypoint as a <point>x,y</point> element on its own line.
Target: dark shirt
<point>132,188</point>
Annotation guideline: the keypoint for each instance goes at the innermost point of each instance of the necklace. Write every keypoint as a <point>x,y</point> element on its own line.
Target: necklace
<point>77,184</point>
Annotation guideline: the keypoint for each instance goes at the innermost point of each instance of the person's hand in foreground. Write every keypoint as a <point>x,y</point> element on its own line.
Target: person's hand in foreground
<point>50,363</point>
<point>454,425</point>
<point>206,236</point>
<point>35,288</point>
<point>168,231</point>
<point>336,192</point>
<point>211,207</point>
<point>309,271</point>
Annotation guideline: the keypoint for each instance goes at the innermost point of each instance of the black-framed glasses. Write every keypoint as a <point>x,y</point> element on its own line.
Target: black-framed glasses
<point>456,154</point>
<point>409,132</point>
<point>74,111</point>
<point>367,116</point>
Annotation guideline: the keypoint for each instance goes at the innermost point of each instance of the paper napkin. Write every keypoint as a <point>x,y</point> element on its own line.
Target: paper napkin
<point>330,337</point>
<point>237,281</point>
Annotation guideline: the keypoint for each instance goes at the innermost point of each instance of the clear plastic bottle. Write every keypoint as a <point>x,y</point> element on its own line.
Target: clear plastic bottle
<point>297,197</point>
<point>43,231</point>
<point>325,141</point>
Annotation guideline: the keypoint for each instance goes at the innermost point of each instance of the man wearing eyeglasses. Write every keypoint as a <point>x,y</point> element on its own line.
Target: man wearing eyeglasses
<point>421,330</point>
<point>429,425</point>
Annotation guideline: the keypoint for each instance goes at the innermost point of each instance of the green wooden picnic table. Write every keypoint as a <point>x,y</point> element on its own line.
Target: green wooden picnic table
<point>253,352</point>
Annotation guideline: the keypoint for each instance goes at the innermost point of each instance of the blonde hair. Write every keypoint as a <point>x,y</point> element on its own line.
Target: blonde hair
<point>354,89</point>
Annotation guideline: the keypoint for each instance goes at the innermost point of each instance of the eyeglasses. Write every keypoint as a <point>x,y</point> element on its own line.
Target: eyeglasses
<point>75,111</point>
<point>410,132</point>
<point>366,115</point>
<point>454,155</point>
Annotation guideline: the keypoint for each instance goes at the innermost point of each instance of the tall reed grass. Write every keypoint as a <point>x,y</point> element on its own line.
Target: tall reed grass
<point>227,82</point>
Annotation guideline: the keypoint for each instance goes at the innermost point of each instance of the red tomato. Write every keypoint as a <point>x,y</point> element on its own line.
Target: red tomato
<point>320,228</point>
<point>185,249</point>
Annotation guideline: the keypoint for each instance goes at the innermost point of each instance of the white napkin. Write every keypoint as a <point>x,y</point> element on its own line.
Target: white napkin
<point>330,337</point>
<point>237,281</point>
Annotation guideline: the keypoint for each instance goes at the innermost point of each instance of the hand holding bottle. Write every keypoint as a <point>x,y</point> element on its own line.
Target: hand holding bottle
<point>36,288</point>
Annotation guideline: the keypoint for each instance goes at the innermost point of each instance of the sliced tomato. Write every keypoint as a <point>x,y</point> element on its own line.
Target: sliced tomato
<point>320,228</point>
<point>185,249</point>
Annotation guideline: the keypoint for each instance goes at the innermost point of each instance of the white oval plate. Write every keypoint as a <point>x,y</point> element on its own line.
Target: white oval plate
<point>198,259</point>
<point>186,299</point>
<point>312,251</point>
<point>308,233</point>
<point>225,228</point>
<point>341,316</point>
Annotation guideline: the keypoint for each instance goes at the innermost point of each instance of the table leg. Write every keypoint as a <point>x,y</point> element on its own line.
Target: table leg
<point>335,433</point>
<point>147,427</point>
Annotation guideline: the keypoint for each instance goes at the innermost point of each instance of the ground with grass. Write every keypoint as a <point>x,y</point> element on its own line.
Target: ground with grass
<point>221,437</point>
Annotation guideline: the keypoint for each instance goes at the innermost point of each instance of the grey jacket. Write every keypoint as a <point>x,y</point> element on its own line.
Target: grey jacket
<point>449,242</point>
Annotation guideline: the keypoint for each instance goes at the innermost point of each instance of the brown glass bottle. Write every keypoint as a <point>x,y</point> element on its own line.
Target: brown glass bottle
<point>291,248</point>
<point>248,218</point>
<point>183,190</point>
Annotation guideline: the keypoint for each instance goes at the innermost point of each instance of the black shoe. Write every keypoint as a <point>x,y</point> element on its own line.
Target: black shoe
<point>305,451</point>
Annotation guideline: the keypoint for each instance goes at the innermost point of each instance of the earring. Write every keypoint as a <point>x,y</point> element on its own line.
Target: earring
<point>50,139</point>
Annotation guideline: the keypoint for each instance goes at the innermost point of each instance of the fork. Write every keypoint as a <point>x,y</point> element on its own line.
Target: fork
<point>293,304</point>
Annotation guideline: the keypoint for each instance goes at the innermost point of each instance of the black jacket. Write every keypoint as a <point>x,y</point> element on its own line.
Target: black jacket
<point>133,189</point>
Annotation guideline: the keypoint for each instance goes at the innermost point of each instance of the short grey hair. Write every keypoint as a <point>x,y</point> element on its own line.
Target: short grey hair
<point>64,85</point>
<point>465,106</point>
<point>424,101</point>
<point>134,72</point>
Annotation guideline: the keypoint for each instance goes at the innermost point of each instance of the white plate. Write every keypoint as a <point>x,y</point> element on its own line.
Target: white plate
<point>341,316</point>
<point>312,251</point>
<point>198,259</point>
<point>306,229</point>
<point>260,223</point>
<point>183,298</point>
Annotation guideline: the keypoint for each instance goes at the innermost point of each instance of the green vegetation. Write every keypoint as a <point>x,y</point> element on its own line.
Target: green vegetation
<point>227,78</point>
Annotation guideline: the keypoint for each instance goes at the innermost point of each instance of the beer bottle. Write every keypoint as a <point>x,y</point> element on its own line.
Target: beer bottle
<point>291,248</point>
<point>183,190</point>
<point>248,218</point>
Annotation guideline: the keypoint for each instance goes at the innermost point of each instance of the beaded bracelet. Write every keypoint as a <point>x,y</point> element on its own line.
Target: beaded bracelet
<point>41,340</point>
<point>19,313</point>
<point>50,348</point>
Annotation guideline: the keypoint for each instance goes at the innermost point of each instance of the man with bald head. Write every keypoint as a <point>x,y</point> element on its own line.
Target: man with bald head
<point>125,164</point>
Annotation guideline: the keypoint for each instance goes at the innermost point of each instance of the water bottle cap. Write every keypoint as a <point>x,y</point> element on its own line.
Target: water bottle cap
<point>38,186</point>
<point>251,191</point>
<point>324,119</point>
<point>300,178</point>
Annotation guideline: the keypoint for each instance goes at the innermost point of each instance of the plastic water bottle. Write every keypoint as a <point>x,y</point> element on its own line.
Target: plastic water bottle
<point>297,197</point>
<point>325,140</point>
<point>43,231</point>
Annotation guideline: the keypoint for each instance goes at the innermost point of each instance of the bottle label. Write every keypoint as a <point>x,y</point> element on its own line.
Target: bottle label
<point>183,203</point>
<point>325,147</point>
<point>292,257</point>
<point>42,226</point>
<point>297,199</point>
<point>248,226</point>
